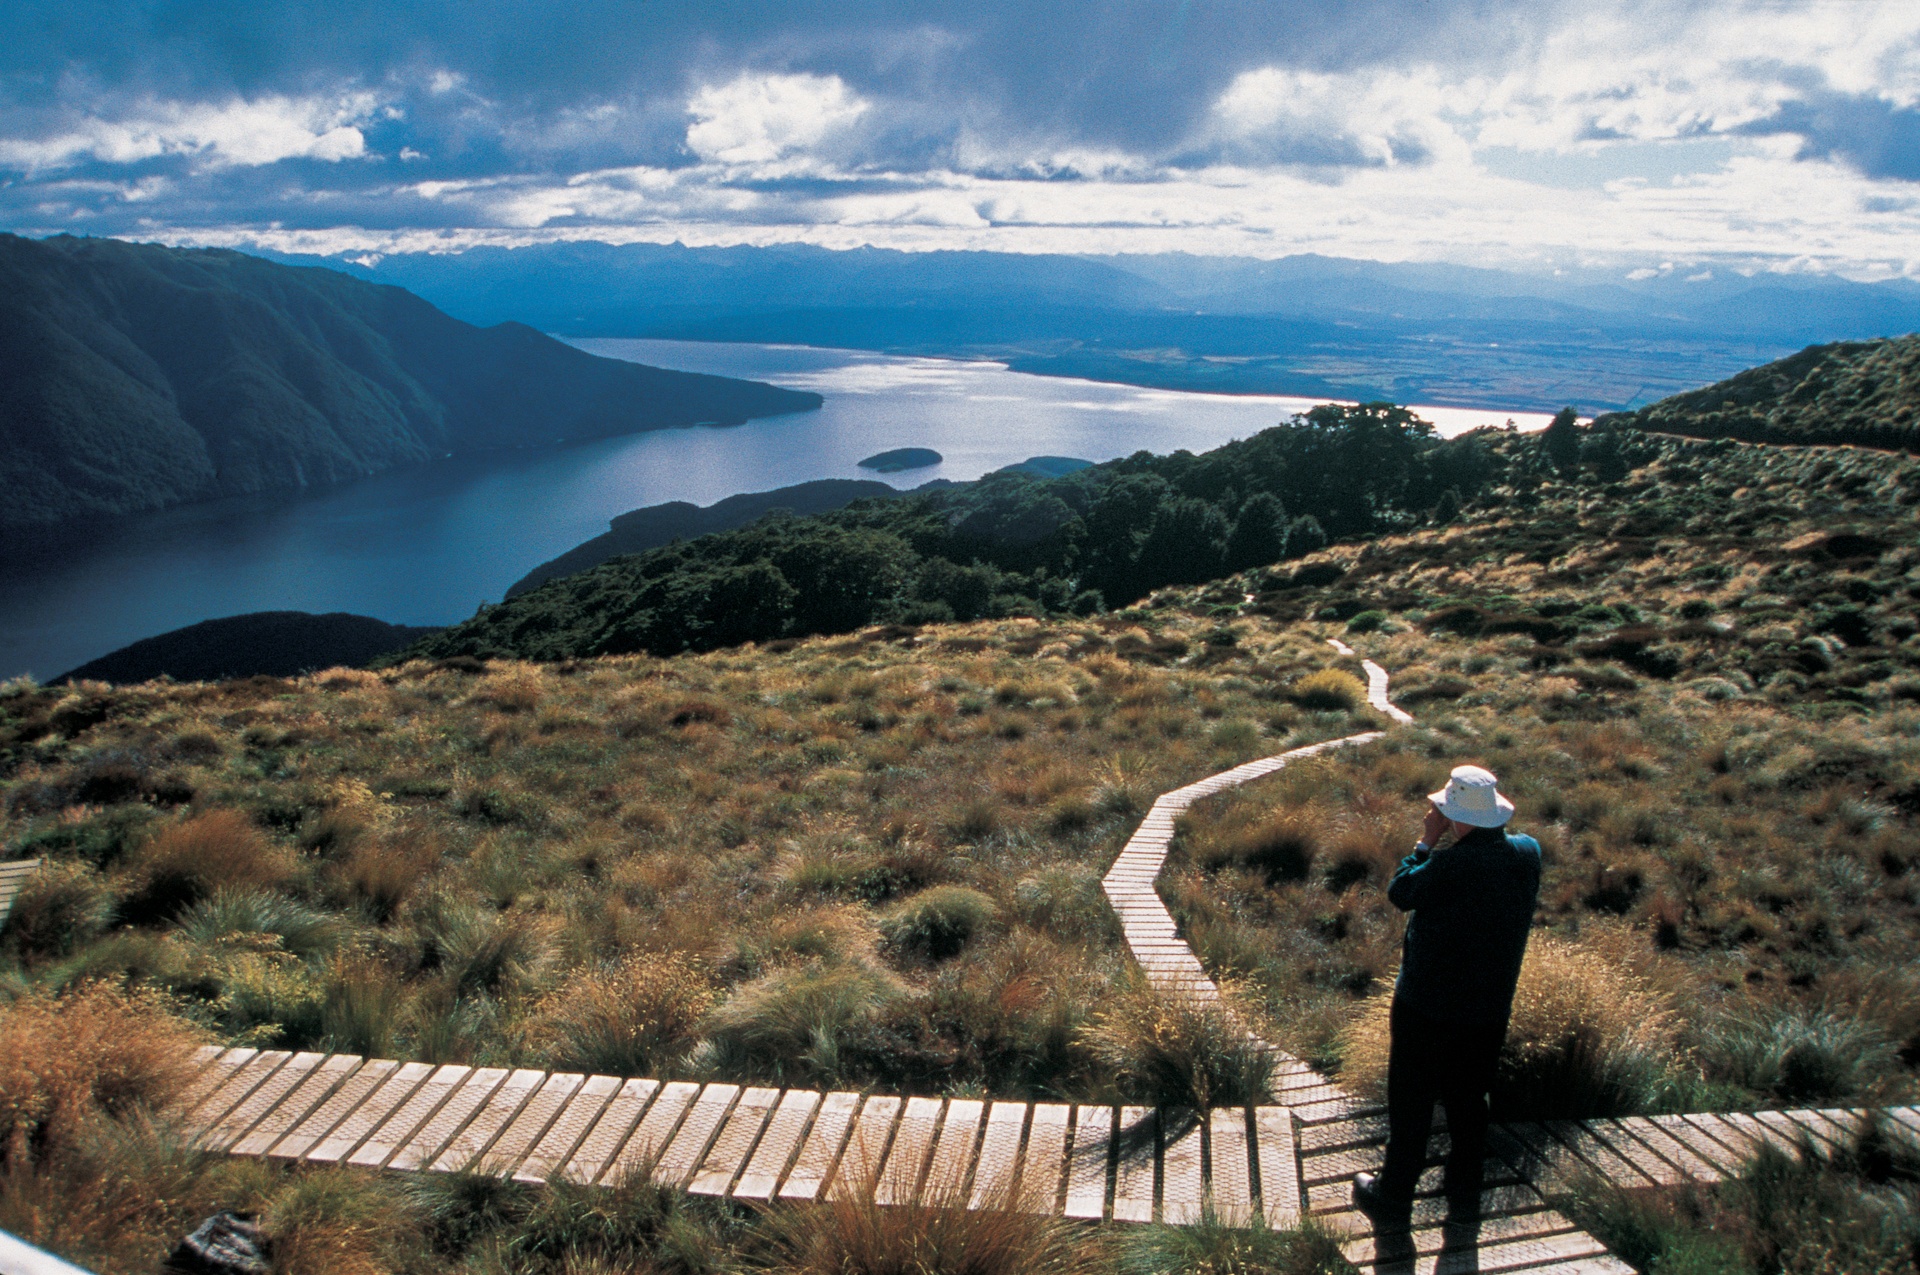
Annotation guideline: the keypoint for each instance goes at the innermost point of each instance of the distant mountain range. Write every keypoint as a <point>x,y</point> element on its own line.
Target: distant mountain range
<point>134,377</point>
<point>1304,325</point>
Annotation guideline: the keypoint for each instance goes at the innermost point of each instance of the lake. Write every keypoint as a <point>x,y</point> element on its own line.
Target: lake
<point>428,544</point>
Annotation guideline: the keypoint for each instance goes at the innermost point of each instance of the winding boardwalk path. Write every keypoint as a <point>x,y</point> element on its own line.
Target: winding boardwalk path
<point>1275,1162</point>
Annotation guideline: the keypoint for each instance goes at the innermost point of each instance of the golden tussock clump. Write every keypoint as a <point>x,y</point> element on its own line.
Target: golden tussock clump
<point>1587,1037</point>
<point>96,1052</point>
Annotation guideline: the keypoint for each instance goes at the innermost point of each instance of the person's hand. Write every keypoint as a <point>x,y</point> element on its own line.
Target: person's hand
<point>1435,826</point>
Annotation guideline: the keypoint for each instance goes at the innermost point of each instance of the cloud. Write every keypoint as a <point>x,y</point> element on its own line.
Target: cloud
<point>758,119</point>
<point>1751,133</point>
<point>1867,132</point>
<point>263,130</point>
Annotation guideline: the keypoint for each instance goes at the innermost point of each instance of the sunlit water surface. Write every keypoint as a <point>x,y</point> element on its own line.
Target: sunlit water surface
<point>428,544</point>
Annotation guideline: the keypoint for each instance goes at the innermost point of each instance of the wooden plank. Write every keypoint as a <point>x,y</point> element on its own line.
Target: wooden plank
<point>1794,1132</point>
<point>477,1134</point>
<point>682,1156</point>
<point>393,1132</point>
<point>1537,1154</point>
<point>737,1136</point>
<point>1739,1145</point>
<point>1043,1167</point>
<point>899,1180</point>
<point>1229,1181</point>
<point>488,1122</point>
<point>349,1094</point>
<point>1455,1237</point>
<point>1434,1210</point>
<point>777,1148</point>
<point>1761,1131</point>
<point>1657,1134</point>
<point>1183,1172</point>
<point>650,1137</point>
<point>821,1150</point>
<point>229,1128</point>
<point>211,1074</point>
<point>858,1173</point>
<point>952,1164</point>
<point>544,1161</point>
<point>609,1131</point>
<point>13,876</point>
<point>424,1144</point>
<point>996,1175</point>
<point>239,1082</point>
<point>1279,1166</point>
<point>1137,1141</point>
<point>366,1117</point>
<point>1610,1164</point>
<point>1725,1161</point>
<point>1836,1132</point>
<point>1635,1151</point>
<point>1087,1165</point>
<point>517,1139</point>
<point>308,1094</point>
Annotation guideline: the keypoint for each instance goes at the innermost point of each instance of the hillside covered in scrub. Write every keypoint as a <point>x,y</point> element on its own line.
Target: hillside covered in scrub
<point>1012,543</point>
<point>1865,393</point>
<point>872,860</point>
<point>134,376</point>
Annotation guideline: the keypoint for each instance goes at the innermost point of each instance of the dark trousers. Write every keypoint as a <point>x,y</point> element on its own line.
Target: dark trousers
<point>1436,1061</point>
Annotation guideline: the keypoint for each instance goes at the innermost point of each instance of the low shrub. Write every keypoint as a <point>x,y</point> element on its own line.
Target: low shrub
<point>793,1024</point>
<point>635,1018</point>
<point>1231,1246</point>
<point>1177,1052</point>
<point>1367,622</point>
<point>185,862</point>
<point>854,1236</point>
<point>1796,1055</point>
<point>240,910</point>
<point>1587,1038</point>
<point>937,923</point>
<point>95,1052</point>
<point>1329,689</point>
<point>57,909</point>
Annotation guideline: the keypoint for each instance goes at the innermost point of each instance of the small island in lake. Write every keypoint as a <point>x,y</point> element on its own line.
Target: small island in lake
<point>902,458</point>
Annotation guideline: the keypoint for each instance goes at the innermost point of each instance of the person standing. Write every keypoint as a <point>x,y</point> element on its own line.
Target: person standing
<point>1472,904</point>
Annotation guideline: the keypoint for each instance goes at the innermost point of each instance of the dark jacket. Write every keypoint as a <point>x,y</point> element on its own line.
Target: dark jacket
<point>1472,906</point>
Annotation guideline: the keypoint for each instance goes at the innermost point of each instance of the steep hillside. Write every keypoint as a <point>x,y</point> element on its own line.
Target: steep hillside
<point>262,643</point>
<point>1862,392</point>
<point>134,376</point>
<point>638,530</point>
<point>1012,543</point>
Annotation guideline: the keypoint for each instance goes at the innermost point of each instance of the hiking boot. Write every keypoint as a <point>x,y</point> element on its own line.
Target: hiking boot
<point>1384,1208</point>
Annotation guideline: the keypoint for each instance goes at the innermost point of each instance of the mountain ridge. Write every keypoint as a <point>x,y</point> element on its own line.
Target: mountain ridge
<point>138,377</point>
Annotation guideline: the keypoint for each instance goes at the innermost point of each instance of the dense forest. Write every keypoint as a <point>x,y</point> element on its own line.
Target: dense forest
<point>1014,544</point>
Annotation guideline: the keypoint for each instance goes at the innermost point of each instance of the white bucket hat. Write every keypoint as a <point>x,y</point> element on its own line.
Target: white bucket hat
<point>1471,797</point>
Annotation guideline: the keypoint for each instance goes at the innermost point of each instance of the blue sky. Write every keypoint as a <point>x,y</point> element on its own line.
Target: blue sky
<point>1538,135</point>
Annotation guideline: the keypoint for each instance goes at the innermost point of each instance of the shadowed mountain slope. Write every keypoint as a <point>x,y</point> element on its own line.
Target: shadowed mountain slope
<point>134,376</point>
<point>1862,392</point>
<point>270,643</point>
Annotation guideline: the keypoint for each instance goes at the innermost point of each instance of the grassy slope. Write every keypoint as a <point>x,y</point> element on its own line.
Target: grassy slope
<point>1699,682</point>
<point>1860,392</point>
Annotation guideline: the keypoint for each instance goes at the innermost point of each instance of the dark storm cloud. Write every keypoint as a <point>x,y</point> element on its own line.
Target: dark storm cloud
<point>1136,74</point>
<point>1869,133</point>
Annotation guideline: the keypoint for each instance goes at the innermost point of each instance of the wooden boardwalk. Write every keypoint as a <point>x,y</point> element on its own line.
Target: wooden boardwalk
<point>1096,1163</point>
<point>746,1143</point>
<point>12,876</point>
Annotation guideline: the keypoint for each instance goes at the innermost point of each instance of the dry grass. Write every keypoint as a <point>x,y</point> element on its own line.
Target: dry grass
<point>854,1236</point>
<point>1587,1038</point>
<point>97,1050</point>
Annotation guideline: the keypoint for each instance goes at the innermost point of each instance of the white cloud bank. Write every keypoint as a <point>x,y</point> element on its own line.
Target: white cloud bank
<point>1634,134</point>
<point>760,119</point>
<point>235,132</point>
